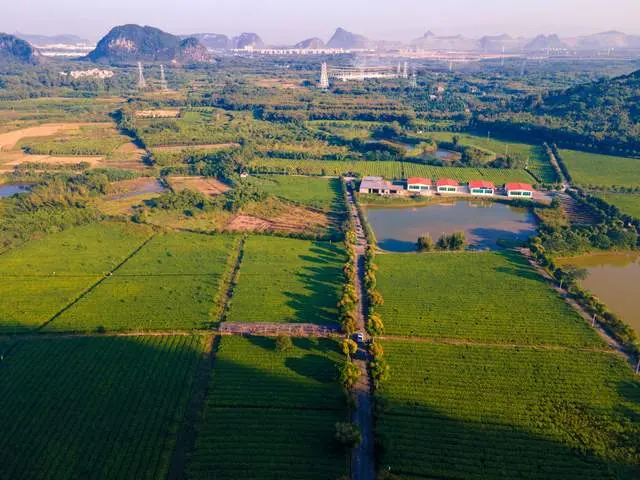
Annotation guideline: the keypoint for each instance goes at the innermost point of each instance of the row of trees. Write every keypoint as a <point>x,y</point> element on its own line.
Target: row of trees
<point>454,242</point>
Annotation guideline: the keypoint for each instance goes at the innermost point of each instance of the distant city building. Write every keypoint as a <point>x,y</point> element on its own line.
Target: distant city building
<point>93,73</point>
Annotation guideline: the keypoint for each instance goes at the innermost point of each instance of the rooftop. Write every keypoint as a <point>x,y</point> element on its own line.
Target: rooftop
<point>481,184</point>
<point>418,181</point>
<point>519,186</point>
<point>447,182</point>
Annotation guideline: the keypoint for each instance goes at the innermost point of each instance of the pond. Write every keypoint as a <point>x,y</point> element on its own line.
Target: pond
<point>483,222</point>
<point>140,188</point>
<point>615,279</point>
<point>9,189</point>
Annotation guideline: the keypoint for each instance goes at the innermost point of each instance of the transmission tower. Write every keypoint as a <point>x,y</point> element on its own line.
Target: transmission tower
<point>324,76</point>
<point>399,70</point>
<point>502,61</point>
<point>414,78</point>
<point>163,80</point>
<point>405,70</point>
<point>141,82</point>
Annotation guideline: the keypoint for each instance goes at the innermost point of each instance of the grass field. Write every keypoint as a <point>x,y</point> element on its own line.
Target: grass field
<point>387,169</point>
<point>627,203</point>
<point>87,140</point>
<point>284,280</point>
<point>94,407</point>
<point>320,193</point>
<point>494,297</point>
<point>602,170</point>
<point>537,160</point>
<point>271,414</point>
<point>174,282</point>
<point>41,278</point>
<point>474,412</point>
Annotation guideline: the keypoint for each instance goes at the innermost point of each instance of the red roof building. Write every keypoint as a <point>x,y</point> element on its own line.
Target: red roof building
<point>481,184</point>
<point>519,190</point>
<point>418,181</point>
<point>447,182</point>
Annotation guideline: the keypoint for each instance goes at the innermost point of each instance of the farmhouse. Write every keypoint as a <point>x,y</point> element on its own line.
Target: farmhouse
<point>481,187</point>
<point>519,190</point>
<point>379,186</point>
<point>421,186</point>
<point>447,185</point>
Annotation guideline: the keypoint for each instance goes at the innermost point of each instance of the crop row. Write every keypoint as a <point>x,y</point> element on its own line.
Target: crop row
<point>485,412</point>
<point>285,280</point>
<point>494,297</point>
<point>99,407</point>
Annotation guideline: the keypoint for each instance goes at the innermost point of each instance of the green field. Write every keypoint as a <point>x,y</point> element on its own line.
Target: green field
<point>174,282</point>
<point>494,297</point>
<point>474,412</point>
<point>537,160</point>
<point>271,414</point>
<point>42,277</point>
<point>320,193</point>
<point>601,170</point>
<point>627,203</point>
<point>284,280</point>
<point>94,407</point>
<point>387,169</point>
<point>88,140</point>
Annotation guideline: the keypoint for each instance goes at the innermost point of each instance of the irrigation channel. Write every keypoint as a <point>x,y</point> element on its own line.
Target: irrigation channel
<point>363,463</point>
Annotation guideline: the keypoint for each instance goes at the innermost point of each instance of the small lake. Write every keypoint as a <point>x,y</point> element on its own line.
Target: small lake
<point>141,188</point>
<point>483,223</point>
<point>9,189</point>
<point>614,279</point>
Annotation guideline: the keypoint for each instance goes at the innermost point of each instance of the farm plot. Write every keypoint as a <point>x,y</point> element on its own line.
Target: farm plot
<point>601,170</point>
<point>271,414</point>
<point>284,280</point>
<point>100,139</point>
<point>94,407</point>
<point>174,282</point>
<point>41,278</point>
<point>533,155</point>
<point>323,194</point>
<point>494,297</point>
<point>477,412</point>
<point>388,169</point>
<point>627,203</point>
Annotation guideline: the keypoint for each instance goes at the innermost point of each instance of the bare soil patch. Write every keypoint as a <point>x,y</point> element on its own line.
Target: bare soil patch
<point>204,185</point>
<point>247,223</point>
<point>167,113</point>
<point>14,159</point>
<point>296,220</point>
<point>9,140</point>
<point>274,82</point>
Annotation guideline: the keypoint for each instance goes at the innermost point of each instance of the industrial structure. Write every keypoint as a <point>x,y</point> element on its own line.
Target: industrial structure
<point>163,81</point>
<point>346,74</point>
<point>142,84</point>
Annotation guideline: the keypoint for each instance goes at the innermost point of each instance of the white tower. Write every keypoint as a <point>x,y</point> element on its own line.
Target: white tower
<point>414,78</point>
<point>399,70</point>
<point>405,70</point>
<point>141,83</point>
<point>324,76</point>
<point>163,81</point>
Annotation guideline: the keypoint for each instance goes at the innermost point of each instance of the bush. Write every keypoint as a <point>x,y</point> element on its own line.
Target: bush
<point>426,244</point>
<point>349,374</point>
<point>349,347</point>
<point>283,343</point>
<point>347,435</point>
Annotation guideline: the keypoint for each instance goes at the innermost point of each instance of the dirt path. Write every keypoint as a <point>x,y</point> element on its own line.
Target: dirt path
<point>363,460</point>
<point>275,329</point>
<point>556,166</point>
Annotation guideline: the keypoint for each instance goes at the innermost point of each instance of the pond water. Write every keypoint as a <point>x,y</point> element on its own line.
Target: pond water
<point>9,189</point>
<point>615,279</point>
<point>151,186</point>
<point>442,154</point>
<point>483,223</point>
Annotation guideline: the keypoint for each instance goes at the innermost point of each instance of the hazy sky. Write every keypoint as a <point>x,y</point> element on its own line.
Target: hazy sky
<point>282,21</point>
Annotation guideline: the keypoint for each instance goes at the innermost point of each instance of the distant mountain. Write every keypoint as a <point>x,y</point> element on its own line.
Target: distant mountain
<point>494,44</point>
<point>247,40</point>
<point>605,40</point>
<point>546,42</point>
<point>130,43</point>
<point>430,41</point>
<point>14,49</point>
<point>213,41</point>
<point>46,40</point>
<point>348,41</point>
<point>310,44</point>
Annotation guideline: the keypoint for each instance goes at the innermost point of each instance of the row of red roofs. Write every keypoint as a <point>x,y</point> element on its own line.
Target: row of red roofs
<point>448,182</point>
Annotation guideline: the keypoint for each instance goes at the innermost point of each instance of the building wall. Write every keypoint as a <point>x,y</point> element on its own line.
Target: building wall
<point>520,194</point>
<point>482,191</point>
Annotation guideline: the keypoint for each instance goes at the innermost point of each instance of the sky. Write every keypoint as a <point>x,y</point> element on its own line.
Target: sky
<point>289,21</point>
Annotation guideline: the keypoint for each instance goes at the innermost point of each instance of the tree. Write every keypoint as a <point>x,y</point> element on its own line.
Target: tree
<point>349,374</point>
<point>374,324</point>
<point>375,299</point>
<point>572,275</point>
<point>349,347</point>
<point>426,244</point>
<point>376,349</point>
<point>283,343</point>
<point>347,435</point>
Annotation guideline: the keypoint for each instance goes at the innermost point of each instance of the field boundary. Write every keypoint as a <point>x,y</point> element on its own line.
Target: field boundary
<point>229,285</point>
<point>96,284</point>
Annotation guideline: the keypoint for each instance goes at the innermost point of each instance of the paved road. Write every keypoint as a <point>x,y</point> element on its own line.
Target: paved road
<point>363,457</point>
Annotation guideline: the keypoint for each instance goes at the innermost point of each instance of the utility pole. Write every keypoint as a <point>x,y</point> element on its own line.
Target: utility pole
<point>163,81</point>
<point>141,82</point>
<point>324,76</point>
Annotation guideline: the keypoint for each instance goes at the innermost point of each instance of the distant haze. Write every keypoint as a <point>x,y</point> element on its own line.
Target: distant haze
<point>288,21</point>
